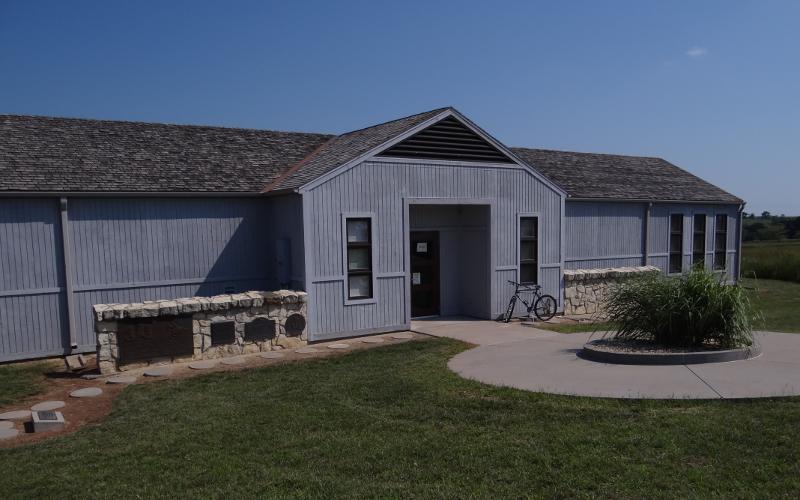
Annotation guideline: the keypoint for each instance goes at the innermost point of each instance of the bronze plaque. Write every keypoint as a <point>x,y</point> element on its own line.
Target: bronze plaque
<point>147,338</point>
<point>259,329</point>
<point>295,324</point>
<point>222,333</point>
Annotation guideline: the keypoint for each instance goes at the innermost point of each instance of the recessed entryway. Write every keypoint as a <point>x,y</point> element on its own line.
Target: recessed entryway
<point>449,251</point>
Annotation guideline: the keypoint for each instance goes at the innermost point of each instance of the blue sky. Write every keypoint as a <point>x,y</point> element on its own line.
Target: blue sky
<point>711,86</point>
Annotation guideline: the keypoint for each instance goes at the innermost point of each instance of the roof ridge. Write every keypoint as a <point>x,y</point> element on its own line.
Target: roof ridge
<point>586,153</point>
<point>431,111</point>
<point>161,124</point>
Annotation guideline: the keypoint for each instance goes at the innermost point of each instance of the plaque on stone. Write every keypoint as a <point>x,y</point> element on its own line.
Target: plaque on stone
<point>147,338</point>
<point>47,415</point>
<point>295,324</point>
<point>223,333</point>
<point>259,329</point>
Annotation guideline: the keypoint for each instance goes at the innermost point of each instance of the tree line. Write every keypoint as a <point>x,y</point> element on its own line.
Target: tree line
<point>768,226</point>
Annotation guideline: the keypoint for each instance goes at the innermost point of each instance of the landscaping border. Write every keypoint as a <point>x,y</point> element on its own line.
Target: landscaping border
<point>590,352</point>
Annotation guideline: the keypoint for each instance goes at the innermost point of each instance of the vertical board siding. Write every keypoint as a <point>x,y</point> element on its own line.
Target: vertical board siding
<point>32,304</point>
<point>381,188</point>
<point>126,250</point>
<point>603,230</point>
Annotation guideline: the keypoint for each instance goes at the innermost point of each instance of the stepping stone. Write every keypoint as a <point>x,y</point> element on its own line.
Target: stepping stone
<point>306,350</point>
<point>121,379</point>
<point>15,415</point>
<point>48,406</point>
<point>203,365</point>
<point>159,371</point>
<point>6,424</point>
<point>8,433</point>
<point>402,336</point>
<point>237,360</point>
<point>87,392</point>
<point>339,346</point>
<point>270,355</point>
<point>373,340</point>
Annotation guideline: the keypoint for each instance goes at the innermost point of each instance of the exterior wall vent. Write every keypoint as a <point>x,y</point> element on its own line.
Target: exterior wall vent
<point>447,139</point>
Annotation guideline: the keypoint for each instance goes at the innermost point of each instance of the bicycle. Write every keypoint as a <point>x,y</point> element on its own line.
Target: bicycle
<point>542,305</point>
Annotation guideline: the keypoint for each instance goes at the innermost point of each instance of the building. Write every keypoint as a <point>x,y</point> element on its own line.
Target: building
<point>420,216</point>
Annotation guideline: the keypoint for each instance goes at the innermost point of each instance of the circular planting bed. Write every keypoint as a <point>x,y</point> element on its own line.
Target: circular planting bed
<point>626,352</point>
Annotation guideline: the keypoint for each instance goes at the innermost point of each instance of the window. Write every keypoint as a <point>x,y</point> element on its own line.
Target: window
<point>359,258</point>
<point>699,241</point>
<point>528,249</point>
<point>721,242</point>
<point>675,243</point>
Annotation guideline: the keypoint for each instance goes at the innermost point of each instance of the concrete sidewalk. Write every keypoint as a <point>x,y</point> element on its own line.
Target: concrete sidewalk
<point>527,358</point>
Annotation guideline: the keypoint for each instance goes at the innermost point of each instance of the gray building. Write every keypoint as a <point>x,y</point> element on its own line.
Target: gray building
<point>425,215</point>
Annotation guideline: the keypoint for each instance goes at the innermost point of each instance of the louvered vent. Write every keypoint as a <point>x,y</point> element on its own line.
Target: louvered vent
<point>447,139</point>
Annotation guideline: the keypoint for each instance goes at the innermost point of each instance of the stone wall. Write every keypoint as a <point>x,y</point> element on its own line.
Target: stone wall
<point>240,308</point>
<point>586,290</point>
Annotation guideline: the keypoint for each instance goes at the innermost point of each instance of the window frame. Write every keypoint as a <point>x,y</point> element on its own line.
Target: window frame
<point>537,238</point>
<point>724,250</point>
<point>670,252</point>
<point>371,246</point>
<point>702,253</point>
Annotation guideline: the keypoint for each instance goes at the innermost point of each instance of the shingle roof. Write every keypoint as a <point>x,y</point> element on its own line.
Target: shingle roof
<point>604,176</point>
<point>77,155</point>
<point>68,154</point>
<point>346,147</point>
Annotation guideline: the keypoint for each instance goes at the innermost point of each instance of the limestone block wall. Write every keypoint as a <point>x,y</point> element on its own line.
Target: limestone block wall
<point>286,308</point>
<point>586,290</point>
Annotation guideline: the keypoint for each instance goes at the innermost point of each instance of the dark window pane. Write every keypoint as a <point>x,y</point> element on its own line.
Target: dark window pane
<point>360,286</point>
<point>358,231</point>
<point>698,259</point>
<point>719,260</point>
<point>675,263</point>
<point>527,250</point>
<point>676,222</point>
<point>699,242</point>
<point>722,223</point>
<point>700,223</point>
<point>676,243</point>
<point>358,259</point>
<point>527,227</point>
<point>527,273</point>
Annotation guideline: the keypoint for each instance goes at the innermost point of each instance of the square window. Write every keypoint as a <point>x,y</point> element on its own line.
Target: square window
<point>358,259</point>
<point>527,273</point>
<point>527,250</point>
<point>360,286</point>
<point>527,227</point>
<point>358,231</point>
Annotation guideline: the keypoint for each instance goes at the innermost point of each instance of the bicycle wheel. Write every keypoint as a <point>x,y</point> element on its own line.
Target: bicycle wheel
<point>510,309</point>
<point>545,307</point>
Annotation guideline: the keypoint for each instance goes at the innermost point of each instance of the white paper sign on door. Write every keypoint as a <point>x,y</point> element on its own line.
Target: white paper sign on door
<point>416,278</point>
<point>422,247</point>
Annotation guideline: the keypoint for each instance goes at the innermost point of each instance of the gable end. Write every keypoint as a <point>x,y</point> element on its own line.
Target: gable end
<point>447,139</point>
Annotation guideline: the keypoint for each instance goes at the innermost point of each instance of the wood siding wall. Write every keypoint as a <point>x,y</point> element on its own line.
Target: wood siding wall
<point>123,250</point>
<point>383,188</point>
<point>611,234</point>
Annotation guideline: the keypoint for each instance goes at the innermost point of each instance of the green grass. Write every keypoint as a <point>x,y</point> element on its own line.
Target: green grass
<point>779,260</point>
<point>575,327</point>
<point>21,380</point>
<point>394,422</point>
<point>778,302</point>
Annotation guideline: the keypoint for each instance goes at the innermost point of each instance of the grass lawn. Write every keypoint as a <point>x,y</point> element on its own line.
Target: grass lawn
<point>778,260</point>
<point>575,327</point>
<point>394,422</point>
<point>21,380</point>
<point>779,303</point>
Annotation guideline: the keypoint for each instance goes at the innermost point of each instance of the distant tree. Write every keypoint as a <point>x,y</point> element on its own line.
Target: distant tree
<point>765,214</point>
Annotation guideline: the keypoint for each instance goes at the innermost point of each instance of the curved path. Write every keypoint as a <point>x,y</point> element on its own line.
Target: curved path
<point>537,360</point>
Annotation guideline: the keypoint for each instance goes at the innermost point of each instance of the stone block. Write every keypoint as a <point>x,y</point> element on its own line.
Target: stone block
<point>150,310</point>
<point>168,308</point>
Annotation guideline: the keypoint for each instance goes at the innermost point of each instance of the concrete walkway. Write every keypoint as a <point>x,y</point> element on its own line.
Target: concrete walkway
<point>527,358</point>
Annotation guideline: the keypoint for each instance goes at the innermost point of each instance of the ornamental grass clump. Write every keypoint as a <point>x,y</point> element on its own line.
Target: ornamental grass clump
<point>694,310</point>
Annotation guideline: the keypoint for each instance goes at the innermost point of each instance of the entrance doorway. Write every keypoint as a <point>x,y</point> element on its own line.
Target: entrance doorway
<point>449,260</point>
<point>424,273</point>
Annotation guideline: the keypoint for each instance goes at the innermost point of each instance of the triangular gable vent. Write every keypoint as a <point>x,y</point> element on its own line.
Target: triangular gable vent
<point>447,139</point>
